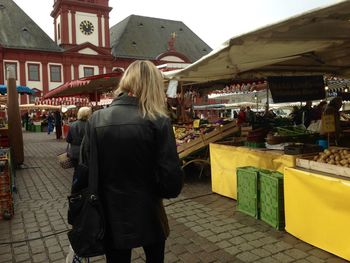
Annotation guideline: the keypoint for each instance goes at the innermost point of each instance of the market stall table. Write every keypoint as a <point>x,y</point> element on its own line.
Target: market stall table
<point>225,159</point>
<point>317,209</point>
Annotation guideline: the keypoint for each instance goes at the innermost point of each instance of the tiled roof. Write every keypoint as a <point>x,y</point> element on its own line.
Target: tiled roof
<point>146,37</point>
<point>18,30</point>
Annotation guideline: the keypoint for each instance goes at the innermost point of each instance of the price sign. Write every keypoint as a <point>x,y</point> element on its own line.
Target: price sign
<point>196,123</point>
<point>328,123</point>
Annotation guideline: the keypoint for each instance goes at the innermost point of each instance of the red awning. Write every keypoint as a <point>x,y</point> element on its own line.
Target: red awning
<point>90,86</point>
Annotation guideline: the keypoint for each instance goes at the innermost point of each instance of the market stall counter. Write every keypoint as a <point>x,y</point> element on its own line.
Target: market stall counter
<point>317,209</point>
<point>225,159</point>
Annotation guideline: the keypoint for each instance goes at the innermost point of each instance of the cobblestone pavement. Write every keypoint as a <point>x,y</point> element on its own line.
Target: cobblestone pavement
<point>205,228</point>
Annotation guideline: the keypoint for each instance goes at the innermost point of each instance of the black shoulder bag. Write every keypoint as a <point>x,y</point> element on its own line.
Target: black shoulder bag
<point>86,217</point>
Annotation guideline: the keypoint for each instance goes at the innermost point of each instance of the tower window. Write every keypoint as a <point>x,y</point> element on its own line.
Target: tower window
<point>141,24</point>
<point>162,27</point>
<point>2,6</point>
<point>33,72</point>
<point>181,29</point>
<point>134,44</point>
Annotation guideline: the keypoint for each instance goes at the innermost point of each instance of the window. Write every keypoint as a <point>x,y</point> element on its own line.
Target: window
<point>11,64</point>
<point>88,71</point>
<point>55,73</point>
<point>33,72</point>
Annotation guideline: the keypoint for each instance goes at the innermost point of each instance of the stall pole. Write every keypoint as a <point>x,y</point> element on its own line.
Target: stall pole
<point>14,119</point>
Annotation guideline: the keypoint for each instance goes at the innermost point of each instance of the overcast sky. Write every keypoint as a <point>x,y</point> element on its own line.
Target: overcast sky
<point>213,21</point>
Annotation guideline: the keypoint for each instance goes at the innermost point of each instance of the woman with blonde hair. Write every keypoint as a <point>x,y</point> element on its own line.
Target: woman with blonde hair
<point>133,146</point>
<point>76,134</point>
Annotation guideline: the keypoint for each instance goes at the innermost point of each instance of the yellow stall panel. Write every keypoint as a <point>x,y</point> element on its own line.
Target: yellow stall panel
<point>225,159</point>
<point>317,210</point>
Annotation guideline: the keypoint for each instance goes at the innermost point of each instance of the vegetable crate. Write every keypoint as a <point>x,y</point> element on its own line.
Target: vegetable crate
<point>247,190</point>
<point>271,198</point>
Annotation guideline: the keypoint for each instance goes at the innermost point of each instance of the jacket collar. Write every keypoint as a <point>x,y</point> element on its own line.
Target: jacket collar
<point>124,99</point>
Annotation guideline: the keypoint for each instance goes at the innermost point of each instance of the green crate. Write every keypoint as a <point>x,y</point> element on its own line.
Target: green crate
<point>247,190</point>
<point>37,128</point>
<point>271,199</point>
<point>254,144</point>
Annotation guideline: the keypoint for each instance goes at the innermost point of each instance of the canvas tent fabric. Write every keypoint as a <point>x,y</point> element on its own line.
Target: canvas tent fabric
<point>86,86</point>
<point>316,42</point>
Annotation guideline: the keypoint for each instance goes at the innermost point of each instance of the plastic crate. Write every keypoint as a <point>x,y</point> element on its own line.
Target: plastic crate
<point>247,190</point>
<point>254,144</point>
<point>271,199</point>
<point>37,128</point>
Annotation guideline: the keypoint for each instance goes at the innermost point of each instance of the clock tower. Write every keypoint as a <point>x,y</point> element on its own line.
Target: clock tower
<point>80,21</point>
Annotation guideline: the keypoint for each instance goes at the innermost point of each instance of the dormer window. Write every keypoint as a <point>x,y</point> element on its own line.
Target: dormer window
<point>133,44</point>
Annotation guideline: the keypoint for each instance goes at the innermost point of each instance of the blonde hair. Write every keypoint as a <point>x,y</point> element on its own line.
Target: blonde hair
<point>143,80</point>
<point>84,113</point>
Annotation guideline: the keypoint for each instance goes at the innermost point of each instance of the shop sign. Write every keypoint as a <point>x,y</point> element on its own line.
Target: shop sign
<point>297,88</point>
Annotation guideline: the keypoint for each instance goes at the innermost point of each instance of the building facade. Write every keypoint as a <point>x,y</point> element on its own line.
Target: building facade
<point>84,44</point>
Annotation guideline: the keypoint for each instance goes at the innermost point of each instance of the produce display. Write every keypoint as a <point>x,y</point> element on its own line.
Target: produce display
<point>187,133</point>
<point>340,157</point>
<point>291,134</point>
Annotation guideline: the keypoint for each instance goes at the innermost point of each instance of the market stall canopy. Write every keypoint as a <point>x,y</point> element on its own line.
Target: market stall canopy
<point>20,89</point>
<point>86,86</point>
<point>317,42</point>
<point>38,107</point>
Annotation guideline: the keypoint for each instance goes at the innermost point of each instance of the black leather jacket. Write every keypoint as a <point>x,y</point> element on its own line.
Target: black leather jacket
<point>137,165</point>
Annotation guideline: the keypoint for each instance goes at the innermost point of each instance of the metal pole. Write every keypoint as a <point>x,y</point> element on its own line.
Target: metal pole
<point>14,119</point>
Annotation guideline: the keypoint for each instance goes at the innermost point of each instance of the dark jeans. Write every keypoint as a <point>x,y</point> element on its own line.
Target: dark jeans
<point>154,254</point>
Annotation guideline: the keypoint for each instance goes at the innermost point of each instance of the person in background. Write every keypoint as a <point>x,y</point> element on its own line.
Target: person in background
<point>75,137</point>
<point>58,124</point>
<point>50,122</point>
<point>295,116</point>
<point>306,113</point>
<point>250,116</point>
<point>241,118</point>
<point>316,113</point>
<point>132,145</point>
<point>333,108</point>
<point>76,134</point>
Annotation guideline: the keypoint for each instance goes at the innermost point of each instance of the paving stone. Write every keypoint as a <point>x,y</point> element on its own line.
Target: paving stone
<point>281,257</point>
<point>24,257</point>
<point>296,253</point>
<point>320,253</point>
<point>41,257</point>
<point>223,244</point>
<point>5,257</point>
<point>247,257</point>
<point>314,259</point>
<point>260,252</point>
<point>56,256</point>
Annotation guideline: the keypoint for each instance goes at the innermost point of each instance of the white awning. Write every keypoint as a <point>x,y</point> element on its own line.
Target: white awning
<point>317,42</point>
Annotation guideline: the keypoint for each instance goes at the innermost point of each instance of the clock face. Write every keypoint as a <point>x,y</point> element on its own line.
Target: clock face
<point>86,27</point>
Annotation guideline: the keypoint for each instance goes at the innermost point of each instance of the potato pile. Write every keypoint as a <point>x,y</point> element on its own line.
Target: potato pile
<point>334,156</point>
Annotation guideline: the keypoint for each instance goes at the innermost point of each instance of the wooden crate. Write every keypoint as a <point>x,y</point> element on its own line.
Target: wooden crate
<point>204,139</point>
<point>307,162</point>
